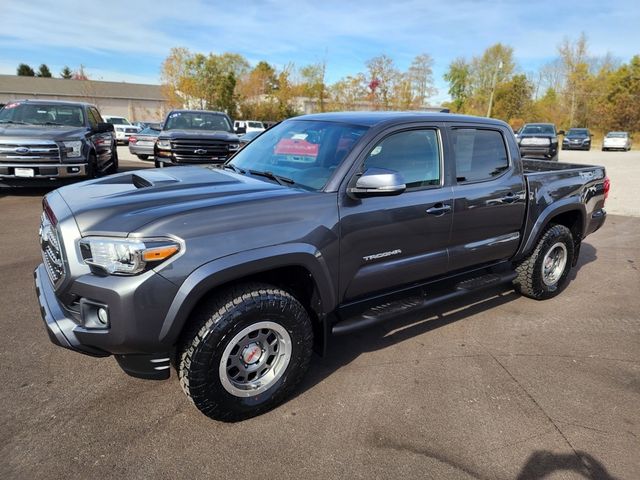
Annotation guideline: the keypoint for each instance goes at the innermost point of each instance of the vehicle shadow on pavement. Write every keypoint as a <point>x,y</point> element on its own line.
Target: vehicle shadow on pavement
<point>342,350</point>
<point>541,464</point>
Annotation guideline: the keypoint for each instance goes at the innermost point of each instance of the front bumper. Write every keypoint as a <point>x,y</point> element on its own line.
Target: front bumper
<point>576,146</point>
<point>66,330</point>
<point>43,170</point>
<point>538,150</point>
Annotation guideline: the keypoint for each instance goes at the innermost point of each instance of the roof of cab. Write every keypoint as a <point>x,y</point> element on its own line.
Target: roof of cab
<point>370,119</point>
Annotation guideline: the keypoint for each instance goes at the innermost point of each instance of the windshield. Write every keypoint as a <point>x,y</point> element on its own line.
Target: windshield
<point>197,121</point>
<point>42,114</point>
<point>617,135</point>
<point>539,129</point>
<point>255,124</point>
<point>573,132</point>
<point>118,121</point>
<point>154,130</point>
<point>306,152</point>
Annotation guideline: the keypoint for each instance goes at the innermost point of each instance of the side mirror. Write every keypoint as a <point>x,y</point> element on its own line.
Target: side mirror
<point>376,182</point>
<point>561,132</point>
<point>104,127</point>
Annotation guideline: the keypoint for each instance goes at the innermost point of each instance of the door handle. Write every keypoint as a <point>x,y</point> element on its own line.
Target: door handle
<point>509,198</point>
<point>439,209</point>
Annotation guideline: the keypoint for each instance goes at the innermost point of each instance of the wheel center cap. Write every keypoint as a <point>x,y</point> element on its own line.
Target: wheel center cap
<point>251,354</point>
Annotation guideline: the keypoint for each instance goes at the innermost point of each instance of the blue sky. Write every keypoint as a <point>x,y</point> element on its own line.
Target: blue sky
<point>127,40</point>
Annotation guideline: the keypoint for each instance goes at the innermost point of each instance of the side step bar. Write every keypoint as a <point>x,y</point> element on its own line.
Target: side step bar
<point>387,311</point>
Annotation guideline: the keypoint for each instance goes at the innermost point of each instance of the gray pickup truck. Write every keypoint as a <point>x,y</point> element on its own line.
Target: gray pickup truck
<point>45,140</point>
<point>323,225</point>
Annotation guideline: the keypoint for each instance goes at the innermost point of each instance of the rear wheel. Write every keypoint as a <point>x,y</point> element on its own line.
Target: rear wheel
<point>544,273</point>
<point>246,351</point>
<point>143,157</point>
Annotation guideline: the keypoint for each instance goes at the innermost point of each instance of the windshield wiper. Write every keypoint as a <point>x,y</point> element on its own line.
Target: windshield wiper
<point>49,123</point>
<point>230,166</point>
<point>272,176</point>
<point>13,121</point>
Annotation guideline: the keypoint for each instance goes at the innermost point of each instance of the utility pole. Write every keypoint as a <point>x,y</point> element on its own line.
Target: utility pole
<point>493,87</point>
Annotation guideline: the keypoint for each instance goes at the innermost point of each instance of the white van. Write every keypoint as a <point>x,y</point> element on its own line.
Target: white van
<point>244,126</point>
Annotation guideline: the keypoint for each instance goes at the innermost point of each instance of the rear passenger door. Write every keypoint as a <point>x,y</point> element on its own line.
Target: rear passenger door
<point>488,196</point>
<point>390,241</point>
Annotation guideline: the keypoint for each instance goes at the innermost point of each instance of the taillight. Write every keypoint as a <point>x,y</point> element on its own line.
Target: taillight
<point>607,187</point>
<point>133,139</point>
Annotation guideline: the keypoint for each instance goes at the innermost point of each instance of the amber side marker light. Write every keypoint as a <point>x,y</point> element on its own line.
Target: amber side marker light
<point>159,253</point>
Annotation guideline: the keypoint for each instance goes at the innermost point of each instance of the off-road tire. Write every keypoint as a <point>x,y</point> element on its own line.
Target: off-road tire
<point>529,281</point>
<point>215,323</point>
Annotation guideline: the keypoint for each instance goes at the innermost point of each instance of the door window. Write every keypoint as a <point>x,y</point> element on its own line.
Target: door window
<point>415,154</point>
<point>480,154</point>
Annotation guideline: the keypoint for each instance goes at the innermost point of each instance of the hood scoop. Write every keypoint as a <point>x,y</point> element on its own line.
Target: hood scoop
<point>151,178</point>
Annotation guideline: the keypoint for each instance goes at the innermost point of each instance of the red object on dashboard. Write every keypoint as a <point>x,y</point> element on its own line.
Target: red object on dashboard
<point>289,146</point>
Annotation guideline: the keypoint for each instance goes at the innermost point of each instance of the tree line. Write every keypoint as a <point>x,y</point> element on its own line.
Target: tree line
<point>25,70</point>
<point>227,82</point>
<point>575,89</point>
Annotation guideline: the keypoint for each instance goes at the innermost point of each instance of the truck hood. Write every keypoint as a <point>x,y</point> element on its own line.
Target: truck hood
<point>198,134</point>
<point>123,204</point>
<point>41,132</point>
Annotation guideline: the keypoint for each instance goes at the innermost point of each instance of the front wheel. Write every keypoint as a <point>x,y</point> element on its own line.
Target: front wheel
<point>246,351</point>
<point>113,168</point>
<point>543,274</point>
<point>143,157</point>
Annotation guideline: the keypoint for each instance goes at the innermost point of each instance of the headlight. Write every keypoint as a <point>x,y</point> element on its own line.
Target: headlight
<point>234,146</point>
<point>163,144</point>
<point>127,256</point>
<point>73,149</point>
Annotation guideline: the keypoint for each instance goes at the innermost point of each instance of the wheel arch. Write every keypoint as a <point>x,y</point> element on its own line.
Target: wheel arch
<point>297,268</point>
<point>568,213</point>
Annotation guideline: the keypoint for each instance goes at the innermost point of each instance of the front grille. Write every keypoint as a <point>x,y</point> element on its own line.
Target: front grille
<point>52,255</point>
<point>29,151</point>
<point>130,130</point>
<point>199,151</point>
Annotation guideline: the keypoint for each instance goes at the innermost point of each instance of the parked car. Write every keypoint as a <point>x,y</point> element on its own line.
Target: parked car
<point>246,126</point>
<point>141,144</point>
<point>123,128</point>
<point>577,139</point>
<point>195,136</point>
<point>249,136</point>
<point>539,140</point>
<point>323,225</point>
<point>44,140</point>
<point>617,141</point>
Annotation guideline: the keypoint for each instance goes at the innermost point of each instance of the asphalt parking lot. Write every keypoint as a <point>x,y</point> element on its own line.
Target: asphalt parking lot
<point>493,387</point>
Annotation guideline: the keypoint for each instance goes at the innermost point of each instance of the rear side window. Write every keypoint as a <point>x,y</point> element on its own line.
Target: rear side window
<point>415,154</point>
<point>480,154</point>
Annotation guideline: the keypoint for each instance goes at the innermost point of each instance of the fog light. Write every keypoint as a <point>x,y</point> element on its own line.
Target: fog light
<point>103,316</point>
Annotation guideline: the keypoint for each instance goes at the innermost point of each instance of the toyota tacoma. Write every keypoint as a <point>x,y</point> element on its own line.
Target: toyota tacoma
<point>321,226</point>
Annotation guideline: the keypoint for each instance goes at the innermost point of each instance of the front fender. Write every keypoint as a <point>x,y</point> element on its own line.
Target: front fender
<point>243,264</point>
